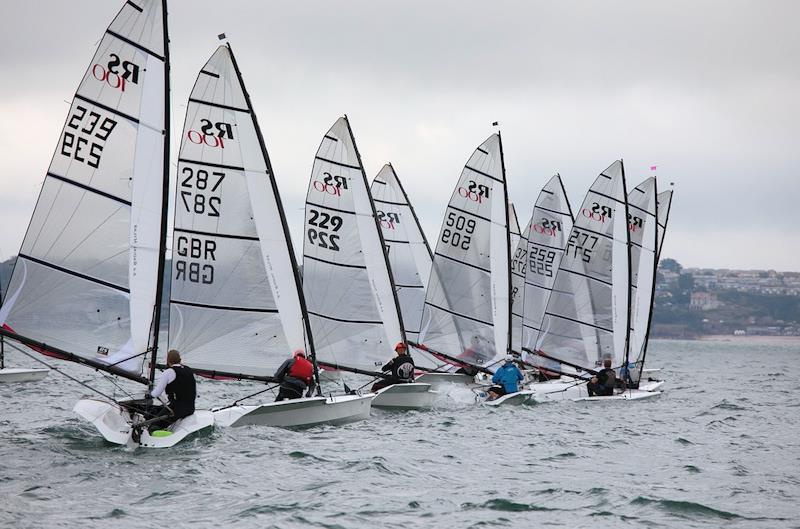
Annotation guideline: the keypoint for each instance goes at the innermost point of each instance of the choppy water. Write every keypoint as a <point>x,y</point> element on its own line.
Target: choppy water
<point>721,447</point>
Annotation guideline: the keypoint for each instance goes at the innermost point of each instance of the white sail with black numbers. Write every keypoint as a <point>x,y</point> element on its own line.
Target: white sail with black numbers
<point>588,312</point>
<point>519,244</point>
<point>467,310</point>
<point>546,235</point>
<point>234,304</point>
<point>347,281</point>
<point>86,278</point>
<point>642,223</point>
<point>408,251</point>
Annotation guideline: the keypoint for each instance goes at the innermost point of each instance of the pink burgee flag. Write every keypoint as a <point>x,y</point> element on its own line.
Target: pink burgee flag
<point>653,167</point>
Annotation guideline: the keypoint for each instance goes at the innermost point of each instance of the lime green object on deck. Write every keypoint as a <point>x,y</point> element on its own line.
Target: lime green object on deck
<point>161,433</point>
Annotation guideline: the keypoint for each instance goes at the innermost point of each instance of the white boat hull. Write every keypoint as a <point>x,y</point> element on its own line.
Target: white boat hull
<point>18,374</point>
<point>511,399</point>
<point>115,425</point>
<point>405,396</point>
<point>436,380</point>
<point>576,391</point>
<point>632,394</point>
<point>307,411</point>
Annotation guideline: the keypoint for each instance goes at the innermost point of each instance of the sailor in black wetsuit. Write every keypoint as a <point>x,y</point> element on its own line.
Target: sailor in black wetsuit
<point>178,382</point>
<point>401,368</point>
<point>602,384</point>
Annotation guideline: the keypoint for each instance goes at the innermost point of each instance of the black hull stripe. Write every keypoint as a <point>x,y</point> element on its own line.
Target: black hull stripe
<point>487,175</point>
<point>470,213</point>
<point>340,164</point>
<point>90,189</point>
<point>209,164</point>
<point>218,105</point>
<point>223,235</point>
<point>135,44</point>
<point>106,108</point>
<point>342,320</point>
<point>75,274</point>
<point>462,262</point>
<point>579,322</point>
<point>222,307</point>
<point>587,276</point>
<point>334,264</point>
<point>330,208</point>
<point>458,314</point>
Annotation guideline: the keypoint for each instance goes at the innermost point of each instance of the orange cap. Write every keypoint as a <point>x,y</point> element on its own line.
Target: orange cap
<point>400,345</point>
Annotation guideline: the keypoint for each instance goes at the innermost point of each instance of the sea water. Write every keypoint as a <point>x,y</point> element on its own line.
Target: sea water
<point>720,447</point>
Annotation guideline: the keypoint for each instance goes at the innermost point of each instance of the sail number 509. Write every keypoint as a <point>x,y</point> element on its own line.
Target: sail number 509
<point>458,231</point>
<point>199,181</point>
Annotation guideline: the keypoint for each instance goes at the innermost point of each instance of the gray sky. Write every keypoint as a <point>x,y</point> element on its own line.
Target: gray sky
<point>707,90</point>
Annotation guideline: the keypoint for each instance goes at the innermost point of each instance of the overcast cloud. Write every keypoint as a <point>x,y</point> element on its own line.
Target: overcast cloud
<point>707,90</point>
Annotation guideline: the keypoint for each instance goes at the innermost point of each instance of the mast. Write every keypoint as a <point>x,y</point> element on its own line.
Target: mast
<point>628,254</point>
<point>413,213</point>
<point>508,238</point>
<point>655,272</point>
<point>380,234</point>
<point>162,242</point>
<point>284,224</point>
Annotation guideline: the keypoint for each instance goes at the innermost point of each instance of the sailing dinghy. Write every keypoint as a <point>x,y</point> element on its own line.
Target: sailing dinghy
<point>588,313</point>
<point>347,279</point>
<point>236,307</point>
<point>88,279</point>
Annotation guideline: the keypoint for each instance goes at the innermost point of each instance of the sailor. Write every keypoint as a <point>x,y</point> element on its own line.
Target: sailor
<point>400,369</point>
<point>179,383</point>
<point>294,375</point>
<point>602,384</point>
<point>506,379</point>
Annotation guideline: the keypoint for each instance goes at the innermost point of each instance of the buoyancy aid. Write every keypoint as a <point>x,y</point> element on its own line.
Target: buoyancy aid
<point>302,369</point>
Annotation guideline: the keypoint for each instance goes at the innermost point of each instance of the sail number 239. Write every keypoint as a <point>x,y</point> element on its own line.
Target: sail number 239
<point>196,187</point>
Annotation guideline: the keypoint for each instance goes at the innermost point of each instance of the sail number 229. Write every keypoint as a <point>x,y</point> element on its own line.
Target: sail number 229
<point>195,184</point>
<point>318,234</point>
<point>458,231</point>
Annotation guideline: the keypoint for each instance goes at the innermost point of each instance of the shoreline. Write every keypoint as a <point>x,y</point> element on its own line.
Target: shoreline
<point>738,339</point>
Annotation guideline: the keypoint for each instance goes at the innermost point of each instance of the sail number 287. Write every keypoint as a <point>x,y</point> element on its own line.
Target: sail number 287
<point>195,185</point>
<point>458,231</point>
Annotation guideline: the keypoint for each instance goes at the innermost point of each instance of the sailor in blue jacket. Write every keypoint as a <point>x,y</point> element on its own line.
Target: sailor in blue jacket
<point>507,377</point>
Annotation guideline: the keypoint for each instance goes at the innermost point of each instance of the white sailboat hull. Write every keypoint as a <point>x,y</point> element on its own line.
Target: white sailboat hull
<point>405,396</point>
<point>115,425</point>
<point>632,394</point>
<point>511,399</point>
<point>309,411</point>
<point>558,390</point>
<point>436,380</point>
<point>18,374</point>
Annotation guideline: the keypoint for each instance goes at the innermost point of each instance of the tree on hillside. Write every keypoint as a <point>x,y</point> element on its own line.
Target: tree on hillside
<point>670,264</point>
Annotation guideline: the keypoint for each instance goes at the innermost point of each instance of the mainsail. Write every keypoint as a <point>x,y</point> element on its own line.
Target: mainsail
<point>518,262</point>
<point>546,236</point>
<point>235,304</point>
<point>588,312</point>
<point>347,279</point>
<point>88,275</point>
<point>642,220</point>
<point>409,254</point>
<point>513,228</point>
<point>467,304</point>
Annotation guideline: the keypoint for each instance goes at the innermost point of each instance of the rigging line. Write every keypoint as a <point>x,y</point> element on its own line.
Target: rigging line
<point>237,401</point>
<point>58,370</point>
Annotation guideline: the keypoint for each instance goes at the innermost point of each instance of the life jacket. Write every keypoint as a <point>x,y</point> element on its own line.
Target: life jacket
<point>301,369</point>
<point>182,392</point>
<point>403,368</point>
<point>607,378</point>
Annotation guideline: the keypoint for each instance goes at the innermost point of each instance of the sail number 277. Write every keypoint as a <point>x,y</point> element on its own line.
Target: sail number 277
<point>458,231</point>
<point>195,183</point>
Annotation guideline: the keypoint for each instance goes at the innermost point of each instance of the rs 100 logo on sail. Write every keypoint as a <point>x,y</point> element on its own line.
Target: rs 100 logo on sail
<point>211,134</point>
<point>116,73</point>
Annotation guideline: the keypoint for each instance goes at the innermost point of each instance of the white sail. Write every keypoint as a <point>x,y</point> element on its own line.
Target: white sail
<point>347,280</point>
<point>664,205</point>
<point>409,255</point>
<point>467,312</point>
<point>234,304</point>
<point>546,236</point>
<point>518,251</point>
<point>87,273</point>
<point>513,228</point>
<point>588,312</point>
<point>642,221</point>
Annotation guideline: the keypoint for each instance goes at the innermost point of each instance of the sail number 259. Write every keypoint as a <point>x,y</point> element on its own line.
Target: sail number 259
<point>458,231</point>
<point>195,183</point>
